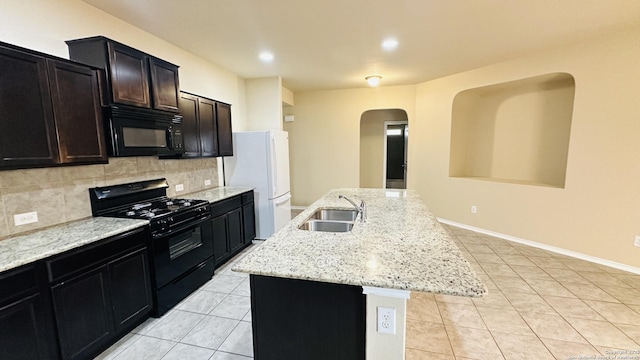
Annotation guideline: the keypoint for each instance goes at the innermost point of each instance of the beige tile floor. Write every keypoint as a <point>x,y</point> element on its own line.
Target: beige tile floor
<point>540,305</point>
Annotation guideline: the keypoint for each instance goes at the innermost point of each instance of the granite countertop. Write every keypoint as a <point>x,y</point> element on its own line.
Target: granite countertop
<point>400,246</point>
<point>217,194</point>
<point>23,249</point>
<point>32,246</point>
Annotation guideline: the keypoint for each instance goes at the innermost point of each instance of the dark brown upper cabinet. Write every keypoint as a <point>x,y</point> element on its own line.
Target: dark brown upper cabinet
<point>50,111</point>
<point>206,126</point>
<point>133,77</point>
<point>77,113</point>
<point>225,144</point>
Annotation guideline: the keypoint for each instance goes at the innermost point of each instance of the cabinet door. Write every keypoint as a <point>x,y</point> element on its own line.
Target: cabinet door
<point>21,330</point>
<point>82,309</point>
<point>208,130</point>
<point>248,223</point>
<point>235,229</point>
<point>129,73</point>
<point>77,112</point>
<point>225,144</point>
<point>190,130</point>
<point>27,131</point>
<point>164,84</point>
<point>220,242</point>
<point>130,285</point>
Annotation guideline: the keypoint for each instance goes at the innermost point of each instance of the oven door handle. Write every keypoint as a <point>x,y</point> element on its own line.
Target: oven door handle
<point>184,250</point>
<point>178,229</point>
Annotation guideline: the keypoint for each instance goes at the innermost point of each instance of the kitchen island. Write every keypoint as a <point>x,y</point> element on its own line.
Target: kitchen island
<point>313,275</point>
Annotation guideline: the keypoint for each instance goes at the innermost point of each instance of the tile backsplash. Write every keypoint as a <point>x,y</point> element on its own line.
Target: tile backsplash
<point>61,194</point>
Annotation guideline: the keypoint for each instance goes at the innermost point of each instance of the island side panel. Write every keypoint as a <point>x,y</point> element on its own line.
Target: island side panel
<point>298,319</point>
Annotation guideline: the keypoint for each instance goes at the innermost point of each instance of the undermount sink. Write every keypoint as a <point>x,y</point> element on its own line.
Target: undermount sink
<point>330,220</point>
<point>329,226</point>
<point>335,215</point>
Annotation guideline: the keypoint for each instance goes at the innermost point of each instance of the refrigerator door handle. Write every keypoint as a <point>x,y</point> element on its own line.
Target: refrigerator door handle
<point>274,166</point>
<point>284,199</point>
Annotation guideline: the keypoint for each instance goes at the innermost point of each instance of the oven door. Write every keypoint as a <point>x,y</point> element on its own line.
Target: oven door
<point>178,253</point>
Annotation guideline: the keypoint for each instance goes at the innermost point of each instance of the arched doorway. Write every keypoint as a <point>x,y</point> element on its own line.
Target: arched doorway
<point>383,144</point>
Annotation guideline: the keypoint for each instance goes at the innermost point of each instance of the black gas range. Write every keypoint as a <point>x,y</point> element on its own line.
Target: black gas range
<point>181,244</point>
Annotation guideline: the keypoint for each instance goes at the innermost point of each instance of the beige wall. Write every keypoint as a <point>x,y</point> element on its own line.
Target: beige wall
<point>597,213</point>
<point>264,103</point>
<point>60,194</point>
<point>516,131</point>
<point>324,138</point>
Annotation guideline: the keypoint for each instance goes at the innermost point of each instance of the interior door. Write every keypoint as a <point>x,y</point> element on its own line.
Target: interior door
<point>396,156</point>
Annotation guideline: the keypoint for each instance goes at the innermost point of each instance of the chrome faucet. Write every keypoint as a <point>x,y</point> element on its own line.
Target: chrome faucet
<point>361,209</point>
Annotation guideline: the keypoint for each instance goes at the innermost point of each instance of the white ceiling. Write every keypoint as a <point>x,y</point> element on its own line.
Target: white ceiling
<point>332,44</point>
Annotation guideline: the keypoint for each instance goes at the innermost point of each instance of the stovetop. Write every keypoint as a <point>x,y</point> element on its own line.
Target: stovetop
<point>157,208</point>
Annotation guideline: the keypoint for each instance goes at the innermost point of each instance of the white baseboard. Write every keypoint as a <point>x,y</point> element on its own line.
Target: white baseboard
<point>554,249</point>
<point>298,207</point>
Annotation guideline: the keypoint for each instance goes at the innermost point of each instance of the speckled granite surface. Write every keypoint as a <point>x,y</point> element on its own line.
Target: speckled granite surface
<point>400,246</point>
<point>23,249</point>
<point>217,194</point>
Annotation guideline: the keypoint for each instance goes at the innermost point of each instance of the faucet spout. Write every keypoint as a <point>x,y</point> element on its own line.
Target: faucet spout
<point>361,209</point>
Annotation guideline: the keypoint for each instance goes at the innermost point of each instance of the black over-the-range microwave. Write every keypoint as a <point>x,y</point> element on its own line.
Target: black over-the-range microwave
<point>133,131</point>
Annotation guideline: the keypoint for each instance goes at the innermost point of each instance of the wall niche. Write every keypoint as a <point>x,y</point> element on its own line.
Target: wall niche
<point>516,132</point>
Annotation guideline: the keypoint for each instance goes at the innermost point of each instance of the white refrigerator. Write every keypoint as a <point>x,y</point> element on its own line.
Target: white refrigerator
<point>261,160</point>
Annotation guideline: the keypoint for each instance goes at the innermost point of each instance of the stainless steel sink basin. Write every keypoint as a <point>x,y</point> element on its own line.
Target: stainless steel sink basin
<point>335,215</point>
<point>330,226</point>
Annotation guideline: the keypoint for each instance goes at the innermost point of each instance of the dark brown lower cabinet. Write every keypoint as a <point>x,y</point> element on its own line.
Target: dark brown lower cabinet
<point>131,301</point>
<point>26,319</point>
<point>100,292</point>
<point>248,218</point>
<point>82,307</point>
<point>299,319</point>
<point>233,224</point>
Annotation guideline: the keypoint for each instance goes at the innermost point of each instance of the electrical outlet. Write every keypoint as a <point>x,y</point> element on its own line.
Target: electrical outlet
<point>636,242</point>
<point>474,209</point>
<point>25,218</point>
<point>207,182</point>
<point>386,320</point>
<point>179,187</point>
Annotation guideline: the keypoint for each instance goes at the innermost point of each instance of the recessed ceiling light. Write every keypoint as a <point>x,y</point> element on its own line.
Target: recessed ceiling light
<point>266,57</point>
<point>373,80</point>
<point>389,44</point>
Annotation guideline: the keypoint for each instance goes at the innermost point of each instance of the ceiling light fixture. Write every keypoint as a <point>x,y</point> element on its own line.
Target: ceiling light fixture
<point>266,57</point>
<point>373,80</point>
<point>389,44</point>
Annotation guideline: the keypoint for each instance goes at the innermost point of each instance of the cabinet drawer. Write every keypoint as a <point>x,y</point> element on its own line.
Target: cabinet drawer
<point>247,197</point>
<point>18,281</point>
<point>80,259</point>
<point>224,206</point>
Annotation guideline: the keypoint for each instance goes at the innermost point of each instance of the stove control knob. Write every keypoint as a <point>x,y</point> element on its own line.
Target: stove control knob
<point>131,213</point>
<point>163,224</point>
<point>169,203</point>
<point>186,203</point>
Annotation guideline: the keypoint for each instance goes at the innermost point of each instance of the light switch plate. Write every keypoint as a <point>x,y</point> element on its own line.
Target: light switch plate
<point>207,182</point>
<point>180,187</point>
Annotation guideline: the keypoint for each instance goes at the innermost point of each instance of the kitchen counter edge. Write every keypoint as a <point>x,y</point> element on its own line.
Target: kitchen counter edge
<point>421,258</point>
<point>26,248</point>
